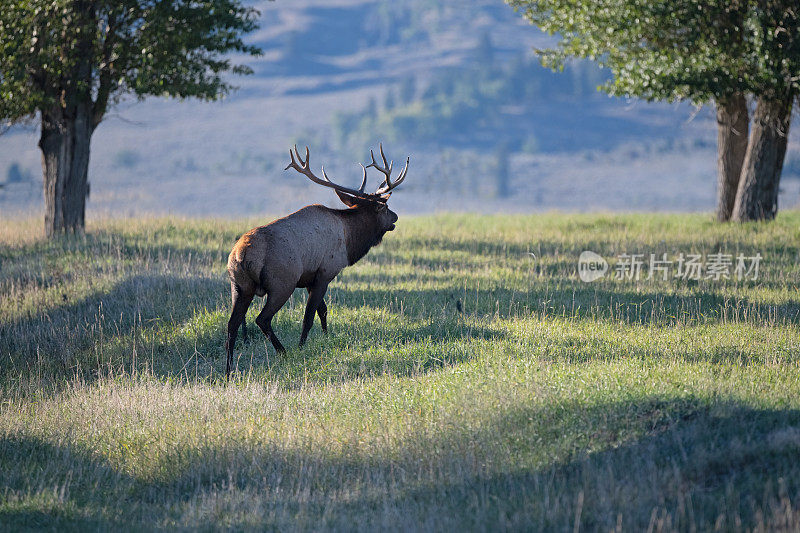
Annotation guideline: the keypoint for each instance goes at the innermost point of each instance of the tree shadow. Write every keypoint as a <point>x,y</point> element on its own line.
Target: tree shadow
<point>380,341</point>
<point>688,461</point>
<point>83,336</point>
<point>70,333</point>
<point>687,454</point>
<point>65,261</point>
<point>63,482</point>
<point>573,300</point>
<point>490,246</point>
<point>694,467</point>
<point>156,314</point>
<point>162,240</point>
<point>67,333</point>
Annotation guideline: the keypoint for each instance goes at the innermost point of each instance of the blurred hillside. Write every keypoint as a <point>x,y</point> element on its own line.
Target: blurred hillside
<point>455,84</point>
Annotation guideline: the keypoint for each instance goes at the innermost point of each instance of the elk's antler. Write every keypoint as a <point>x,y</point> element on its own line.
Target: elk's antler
<point>386,170</point>
<point>304,168</point>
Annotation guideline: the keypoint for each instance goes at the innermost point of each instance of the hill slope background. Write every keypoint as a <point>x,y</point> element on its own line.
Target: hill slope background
<point>454,84</point>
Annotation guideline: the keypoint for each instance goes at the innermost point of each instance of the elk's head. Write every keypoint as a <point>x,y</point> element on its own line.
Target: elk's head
<point>357,199</point>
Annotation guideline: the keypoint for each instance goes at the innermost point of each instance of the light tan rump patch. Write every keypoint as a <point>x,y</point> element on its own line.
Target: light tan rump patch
<point>242,244</point>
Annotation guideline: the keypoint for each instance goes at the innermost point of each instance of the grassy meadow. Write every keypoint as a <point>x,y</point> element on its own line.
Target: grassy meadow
<point>465,383</point>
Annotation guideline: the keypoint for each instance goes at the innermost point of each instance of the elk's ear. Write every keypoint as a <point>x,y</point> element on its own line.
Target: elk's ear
<point>348,200</point>
<point>385,197</point>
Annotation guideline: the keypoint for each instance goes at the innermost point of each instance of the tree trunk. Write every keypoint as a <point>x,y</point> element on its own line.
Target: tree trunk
<point>67,127</point>
<point>757,196</point>
<point>783,142</point>
<point>732,130</point>
<point>65,141</point>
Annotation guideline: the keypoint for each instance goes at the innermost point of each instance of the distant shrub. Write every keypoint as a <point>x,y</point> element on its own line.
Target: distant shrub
<point>126,159</point>
<point>703,144</point>
<point>16,174</point>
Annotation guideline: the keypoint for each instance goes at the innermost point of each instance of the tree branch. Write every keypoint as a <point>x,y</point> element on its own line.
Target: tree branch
<point>106,84</point>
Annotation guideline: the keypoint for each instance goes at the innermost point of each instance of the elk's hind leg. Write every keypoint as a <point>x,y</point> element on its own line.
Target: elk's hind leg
<point>322,311</point>
<point>316,293</point>
<point>244,329</point>
<point>241,301</point>
<point>275,300</point>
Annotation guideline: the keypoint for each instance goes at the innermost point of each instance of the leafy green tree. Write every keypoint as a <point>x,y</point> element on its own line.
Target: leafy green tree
<point>721,51</point>
<point>65,62</point>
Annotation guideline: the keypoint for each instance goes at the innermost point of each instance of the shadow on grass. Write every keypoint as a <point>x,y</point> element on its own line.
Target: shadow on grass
<point>378,344</point>
<point>692,469</point>
<point>148,313</point>
<point>80,337</point>
<point>496,248</point>
<point>120,245</point>
<point>573,299</point>
<point>66,333</point>
<point>59,487</point>
<point>685,461</point>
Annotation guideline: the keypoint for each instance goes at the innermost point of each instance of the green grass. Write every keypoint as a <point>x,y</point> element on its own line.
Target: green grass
<point>547,404</point>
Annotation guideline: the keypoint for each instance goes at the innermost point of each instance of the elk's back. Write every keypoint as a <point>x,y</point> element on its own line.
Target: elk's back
<point>290,251</point>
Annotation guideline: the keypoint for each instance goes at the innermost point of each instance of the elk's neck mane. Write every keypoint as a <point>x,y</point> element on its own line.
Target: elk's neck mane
<point>362,233</point>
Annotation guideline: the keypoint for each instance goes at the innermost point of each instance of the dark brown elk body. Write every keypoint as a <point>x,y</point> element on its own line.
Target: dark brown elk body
<point>306,249</point>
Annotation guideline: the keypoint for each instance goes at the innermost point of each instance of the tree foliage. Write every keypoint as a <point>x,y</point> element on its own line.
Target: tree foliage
<point>699,50</point>
<point>54,53</point>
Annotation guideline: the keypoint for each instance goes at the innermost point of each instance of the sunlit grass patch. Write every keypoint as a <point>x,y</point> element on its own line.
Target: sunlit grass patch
<point>464,384</point>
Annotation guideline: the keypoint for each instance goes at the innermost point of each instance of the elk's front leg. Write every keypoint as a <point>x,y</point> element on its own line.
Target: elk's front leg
<point>315,295</point>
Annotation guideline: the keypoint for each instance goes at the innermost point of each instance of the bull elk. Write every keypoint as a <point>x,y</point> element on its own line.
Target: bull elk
<point>306,249</point>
